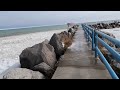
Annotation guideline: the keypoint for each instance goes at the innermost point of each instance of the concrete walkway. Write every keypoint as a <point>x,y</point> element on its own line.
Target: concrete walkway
<point>79,63</point>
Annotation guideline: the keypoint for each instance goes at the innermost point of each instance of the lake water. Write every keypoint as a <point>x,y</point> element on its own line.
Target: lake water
<point>18,31</point>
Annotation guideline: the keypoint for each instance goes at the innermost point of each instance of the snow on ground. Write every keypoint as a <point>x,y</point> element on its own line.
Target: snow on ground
<point>114,31</point>
<point>12,46</point>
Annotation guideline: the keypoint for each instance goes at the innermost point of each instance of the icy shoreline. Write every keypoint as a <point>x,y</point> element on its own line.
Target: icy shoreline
<point>12,46</point>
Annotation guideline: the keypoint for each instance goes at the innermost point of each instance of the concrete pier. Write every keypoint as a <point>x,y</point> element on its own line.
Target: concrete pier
<point>79,63</point>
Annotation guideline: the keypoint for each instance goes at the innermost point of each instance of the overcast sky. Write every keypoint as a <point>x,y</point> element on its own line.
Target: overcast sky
<point>12,19</point>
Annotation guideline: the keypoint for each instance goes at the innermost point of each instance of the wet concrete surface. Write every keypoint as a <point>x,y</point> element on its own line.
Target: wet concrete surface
<point>78,62</point>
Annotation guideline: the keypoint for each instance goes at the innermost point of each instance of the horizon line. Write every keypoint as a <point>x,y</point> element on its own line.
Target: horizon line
<point>28,27</point>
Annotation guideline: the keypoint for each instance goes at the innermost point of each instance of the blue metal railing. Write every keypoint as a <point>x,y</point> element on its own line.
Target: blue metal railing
<point>92,36</point>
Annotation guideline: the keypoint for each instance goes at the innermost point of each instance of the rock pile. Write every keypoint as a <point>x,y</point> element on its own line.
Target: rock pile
<point>40,60</point>
<point>114,24</point>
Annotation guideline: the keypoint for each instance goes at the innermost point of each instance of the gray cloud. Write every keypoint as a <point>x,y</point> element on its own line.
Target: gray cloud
<point>11,19</point>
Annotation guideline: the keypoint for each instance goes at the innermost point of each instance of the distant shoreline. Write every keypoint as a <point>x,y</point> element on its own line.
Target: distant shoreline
<point>103,21</point>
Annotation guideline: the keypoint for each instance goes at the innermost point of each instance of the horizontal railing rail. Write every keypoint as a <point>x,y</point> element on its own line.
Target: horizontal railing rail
<point>91,33</point>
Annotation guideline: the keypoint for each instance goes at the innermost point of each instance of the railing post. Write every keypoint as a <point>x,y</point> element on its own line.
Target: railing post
<point>85,31</point>
<point>88,34</point>
<point>96,45</point>
<point>93,40</point>
<point>83,26</point>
